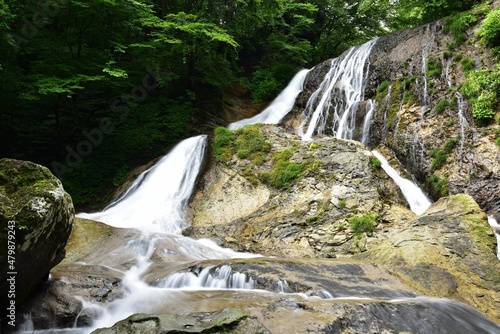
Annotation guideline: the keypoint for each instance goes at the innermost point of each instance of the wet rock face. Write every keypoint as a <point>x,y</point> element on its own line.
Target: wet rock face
<point>449,251</point>
<point>410,118</point>
<point>226,321</point>
<point>42,212</point>
<point>309,216</point>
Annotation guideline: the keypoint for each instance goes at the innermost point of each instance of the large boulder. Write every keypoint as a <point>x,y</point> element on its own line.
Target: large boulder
<point>36,214</point>
<point>450,251</point>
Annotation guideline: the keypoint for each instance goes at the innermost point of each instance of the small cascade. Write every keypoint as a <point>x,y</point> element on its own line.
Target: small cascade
<point>156,201</point>
<point>461,106</point>
<point>387,100</point>
<point>370,107</point>
<point>398,115</point>
<point>280,106</point>
<point>415,197</point>
<point>425,55</point>
<point>496,229</point>
<point>344,84</point>
<point>283,286</point>
<point>221,277</point>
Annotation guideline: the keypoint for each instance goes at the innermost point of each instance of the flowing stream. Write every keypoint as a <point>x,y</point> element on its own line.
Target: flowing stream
<point>279,107</point>
<point>415,197</point>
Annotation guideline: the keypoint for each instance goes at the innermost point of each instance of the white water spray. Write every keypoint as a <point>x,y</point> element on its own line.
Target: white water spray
<point>370,107</point>
<point>221,277</point>
<point>156,202</point>
<point>496,229</point>
<point>415,197</point>
<point>344,83</point>
<point>280,106</point>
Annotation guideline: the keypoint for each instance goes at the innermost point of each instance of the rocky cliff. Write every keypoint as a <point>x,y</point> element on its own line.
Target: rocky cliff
<point>413,79</point>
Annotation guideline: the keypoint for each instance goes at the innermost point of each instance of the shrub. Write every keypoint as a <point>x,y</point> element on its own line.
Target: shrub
<point>283,170</point>
<point>439,158</point>
<point>434,67</point>
<point>376,163</point>
<point>383,86</point>
<point>451,144</point>
<point>363,224</point>
<point>498,141</point>
<point>489,31</point>
<point>468,64</point>
<point>438,186</point>
<point>222,145</point>
<point>250,142</point>
<point>441,106</point>
<point>342,202</point>
<point>458,24</point>
<point>482,90</point>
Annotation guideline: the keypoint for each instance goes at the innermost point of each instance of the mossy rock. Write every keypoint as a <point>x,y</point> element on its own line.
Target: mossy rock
<point>36,214</point>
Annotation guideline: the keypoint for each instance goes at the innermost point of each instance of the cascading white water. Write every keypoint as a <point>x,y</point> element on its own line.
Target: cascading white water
<point>344,82</point>
<point>496,229</point>
<point>221,277</point>
<point>156,201</point>
<point>370,107</point>
<point>415,197</point>
<point>461,105</point>
<point>280,106</point>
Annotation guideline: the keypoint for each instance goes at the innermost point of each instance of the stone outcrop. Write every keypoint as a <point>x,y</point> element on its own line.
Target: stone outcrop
<point>36,214</point>
<point>310,217</point>
<point>224,321</point>
<point>450,251</point>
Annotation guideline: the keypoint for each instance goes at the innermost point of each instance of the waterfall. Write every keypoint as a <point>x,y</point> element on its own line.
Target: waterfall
<point>461,106</point>
<point>415,197</point>
<point>344,83</point>
<point>156,201</point>
<point>370,107</point>
<point>280,106</point>
<point>496,229</point>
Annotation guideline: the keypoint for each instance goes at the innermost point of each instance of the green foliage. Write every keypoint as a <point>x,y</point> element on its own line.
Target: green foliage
<point>489,31</point>
<point>264,86</point>
<point>434,67</point>
<point>222,144</point>
<point>498,141</point>
<point>482,88</point>
<point>438,186</point>
<point>439,158</point>
<point>440,155</point>
<point>283,171</point>
<point>442,105</point>
<point>363,224</point>
<point>383,86</point>
<point>458,24</point>
<point>250,143</point>
<point>468,64</point>
<point>342,203</point>
<point>375,163</point>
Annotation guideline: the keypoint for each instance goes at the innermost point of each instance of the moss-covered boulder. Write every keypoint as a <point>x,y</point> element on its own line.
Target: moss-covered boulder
<point>450,251</point>
<point>36,216</point>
